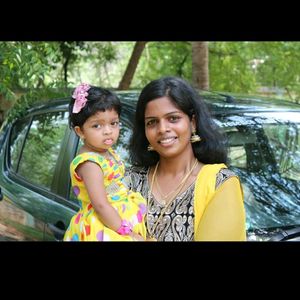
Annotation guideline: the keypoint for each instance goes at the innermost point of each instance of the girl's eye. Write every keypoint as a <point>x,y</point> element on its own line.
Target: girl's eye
<point>97,126</point>
<point>115,124</point>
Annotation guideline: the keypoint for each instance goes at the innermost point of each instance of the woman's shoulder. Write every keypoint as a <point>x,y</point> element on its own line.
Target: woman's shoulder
<point>218,173</point>
<point>223,175</point>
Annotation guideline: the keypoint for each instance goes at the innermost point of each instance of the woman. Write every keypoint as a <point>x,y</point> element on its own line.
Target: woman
<point>178,159</point>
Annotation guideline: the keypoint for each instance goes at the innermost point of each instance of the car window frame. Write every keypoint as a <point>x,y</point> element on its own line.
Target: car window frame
<point>59,195</point>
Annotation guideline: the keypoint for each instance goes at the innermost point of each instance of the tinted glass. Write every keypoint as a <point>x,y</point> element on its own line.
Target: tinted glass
<point>238,142</point>
<point>42,147</point>
<point>17,136</point>
<point>123,143</point>
<point>285,143</point>
<point>3,133</point>
<point>264,150</point>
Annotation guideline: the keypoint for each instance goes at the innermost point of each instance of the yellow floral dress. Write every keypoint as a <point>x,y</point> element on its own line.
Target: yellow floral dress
<point>85,225</point>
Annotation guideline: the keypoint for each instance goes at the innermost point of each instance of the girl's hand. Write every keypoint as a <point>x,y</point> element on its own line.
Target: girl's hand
<point>136,237</point>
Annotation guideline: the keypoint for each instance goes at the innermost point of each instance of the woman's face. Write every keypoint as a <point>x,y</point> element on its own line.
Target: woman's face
<point>167,128</point>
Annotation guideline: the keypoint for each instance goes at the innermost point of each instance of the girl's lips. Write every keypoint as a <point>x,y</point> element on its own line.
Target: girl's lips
<point>108,142</point>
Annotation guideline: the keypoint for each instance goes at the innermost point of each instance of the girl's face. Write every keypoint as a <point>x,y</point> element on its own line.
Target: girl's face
<point>167,128</point>
<point>100,131</point>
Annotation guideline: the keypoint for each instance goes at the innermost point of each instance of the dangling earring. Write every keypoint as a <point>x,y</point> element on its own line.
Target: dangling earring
<point>150,148</point>
<point>195,137</point>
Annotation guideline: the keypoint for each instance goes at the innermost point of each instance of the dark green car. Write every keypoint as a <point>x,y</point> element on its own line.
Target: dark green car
<point>36,202</point>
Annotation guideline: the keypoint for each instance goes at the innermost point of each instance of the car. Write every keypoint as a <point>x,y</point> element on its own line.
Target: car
<point>263,134</point>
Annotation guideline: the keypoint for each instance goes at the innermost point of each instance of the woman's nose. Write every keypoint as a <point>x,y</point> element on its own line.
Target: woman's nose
<point>163,126</point>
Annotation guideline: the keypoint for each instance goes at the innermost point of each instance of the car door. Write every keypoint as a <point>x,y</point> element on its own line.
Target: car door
<point>30,166</point>
<point>15,222</point>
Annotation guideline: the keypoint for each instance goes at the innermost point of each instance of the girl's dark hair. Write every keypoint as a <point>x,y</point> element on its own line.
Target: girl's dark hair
<point>98,99</point>
<point>211,149</point>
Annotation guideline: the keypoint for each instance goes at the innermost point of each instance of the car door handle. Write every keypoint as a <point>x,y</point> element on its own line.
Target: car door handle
<point>57,232</point>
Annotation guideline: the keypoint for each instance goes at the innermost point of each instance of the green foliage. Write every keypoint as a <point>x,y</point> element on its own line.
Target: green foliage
<point>230,67</point>
<point>280,67</point>
<point>33,71</point>
<point>163,59</point>
<point>69,52</point>
<point>243,67</point>
<point>99,63</point>
<point>23,70</point>
<point>52,91</point>
<point>239,67</point>
<point>24,65</point>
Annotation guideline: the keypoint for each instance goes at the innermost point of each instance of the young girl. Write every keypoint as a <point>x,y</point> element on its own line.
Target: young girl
<point>109,210</point>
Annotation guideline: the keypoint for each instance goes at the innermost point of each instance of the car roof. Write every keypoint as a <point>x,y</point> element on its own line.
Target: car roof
<point>218,102</point>
<point>227,103</point>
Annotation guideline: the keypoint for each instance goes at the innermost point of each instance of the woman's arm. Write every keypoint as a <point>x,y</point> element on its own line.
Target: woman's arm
<point>224,217</point>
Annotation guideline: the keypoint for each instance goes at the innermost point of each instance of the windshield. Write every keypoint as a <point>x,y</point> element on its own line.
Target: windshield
<point>285,144</point>
<point>264,150</point>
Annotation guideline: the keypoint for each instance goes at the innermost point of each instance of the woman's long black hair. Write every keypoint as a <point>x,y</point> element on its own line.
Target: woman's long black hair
<point>211,149</point>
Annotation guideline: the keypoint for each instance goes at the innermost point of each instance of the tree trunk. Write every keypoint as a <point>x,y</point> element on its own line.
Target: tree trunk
<point>65,68</point>
<point>132,65</point>
<point>200,70</point>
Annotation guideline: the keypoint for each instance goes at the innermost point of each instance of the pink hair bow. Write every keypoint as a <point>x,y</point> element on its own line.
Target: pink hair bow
<point>80,95</point>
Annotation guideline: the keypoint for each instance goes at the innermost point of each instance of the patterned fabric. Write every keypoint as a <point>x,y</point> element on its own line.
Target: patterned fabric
<point>223,175</point>
<point>177,224</point>
<point>85,225</point>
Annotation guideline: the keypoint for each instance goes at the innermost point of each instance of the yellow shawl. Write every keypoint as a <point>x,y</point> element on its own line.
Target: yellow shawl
<point>219,213</point>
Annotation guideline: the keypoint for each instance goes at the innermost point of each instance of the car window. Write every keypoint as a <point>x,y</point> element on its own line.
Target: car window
<point>72,196</point>
<point>122,147</point>
<point>3,133</point>
<point>17,137</point>
<point>41,149</point>
<point>264,151</point>
<point>238,141</point>
<point>285,143</point>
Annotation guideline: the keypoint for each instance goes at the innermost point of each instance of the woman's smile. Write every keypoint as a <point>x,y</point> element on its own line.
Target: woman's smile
<point>166,142</point>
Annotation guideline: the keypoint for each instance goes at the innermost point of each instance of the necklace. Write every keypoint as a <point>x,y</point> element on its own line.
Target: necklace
<point>182,182</point>
<point>176,192</point>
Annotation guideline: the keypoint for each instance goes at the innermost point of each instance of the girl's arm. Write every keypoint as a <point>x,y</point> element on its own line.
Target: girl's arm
<point>92,176</point>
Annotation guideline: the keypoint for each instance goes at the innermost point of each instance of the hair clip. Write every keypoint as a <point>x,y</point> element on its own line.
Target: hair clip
<point>80,95</point>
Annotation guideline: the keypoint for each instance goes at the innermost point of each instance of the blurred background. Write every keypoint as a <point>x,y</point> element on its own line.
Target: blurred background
<point>31,71</point>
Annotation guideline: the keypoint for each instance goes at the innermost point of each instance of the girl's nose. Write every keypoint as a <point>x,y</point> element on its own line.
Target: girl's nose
<point>107,129</point>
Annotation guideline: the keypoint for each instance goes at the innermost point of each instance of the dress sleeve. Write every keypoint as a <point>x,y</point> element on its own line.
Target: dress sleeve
<point>224,217</point>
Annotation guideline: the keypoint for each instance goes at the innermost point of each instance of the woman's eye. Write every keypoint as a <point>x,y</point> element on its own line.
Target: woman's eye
<point>150,123</point>
<point>174,118</point>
